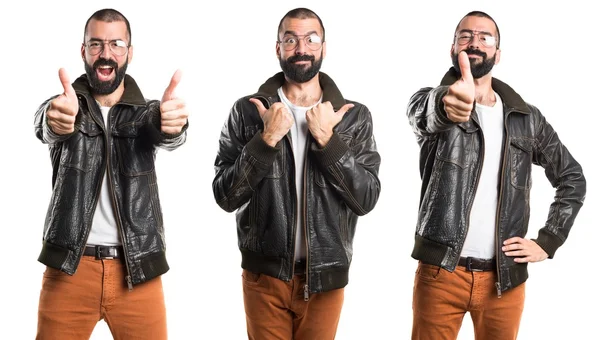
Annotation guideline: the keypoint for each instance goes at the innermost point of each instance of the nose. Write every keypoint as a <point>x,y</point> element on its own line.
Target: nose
<point>106,52</point>
<point>301,47</point>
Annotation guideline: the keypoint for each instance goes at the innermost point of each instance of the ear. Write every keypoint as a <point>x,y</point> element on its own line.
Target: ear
<point>83,52</point>
<point>277,49</point>
<point>498,53</point>
<point>130,54</point>
<point>324,47</point>
<point>451,51</point>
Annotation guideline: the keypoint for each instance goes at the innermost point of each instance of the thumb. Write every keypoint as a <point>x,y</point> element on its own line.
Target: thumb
<point>66,84</point>
<point>170,91</point>
<point>259,106</point>
<point>344,109</point>
<point>465,67</point>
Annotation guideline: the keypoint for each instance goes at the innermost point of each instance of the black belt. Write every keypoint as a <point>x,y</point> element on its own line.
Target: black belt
<point>104,252</point>
<point>474,264</point>
<point>300,267</point>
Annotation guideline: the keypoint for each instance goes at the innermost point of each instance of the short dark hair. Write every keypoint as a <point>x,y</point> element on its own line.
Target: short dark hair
<point>481,15</point>
<point>300,13</point>
<point>108,15</point>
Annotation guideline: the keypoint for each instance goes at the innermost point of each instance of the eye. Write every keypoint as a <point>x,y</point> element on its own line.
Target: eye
<point>289,40</point>
<point>118,43</point>
<point>489,40</point>
<point>94,44</point>
<point>313,38</point>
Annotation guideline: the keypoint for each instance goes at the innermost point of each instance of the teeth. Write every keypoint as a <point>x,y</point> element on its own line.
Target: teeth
<point>104,67</point>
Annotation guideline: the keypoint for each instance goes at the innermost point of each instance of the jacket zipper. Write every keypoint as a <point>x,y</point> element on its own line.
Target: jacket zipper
<point>115,206</point>
<point>294,225</point>
<point>89,228</point>
<point>305,215</point>
<point>498,240</point>
<point>480,167</point>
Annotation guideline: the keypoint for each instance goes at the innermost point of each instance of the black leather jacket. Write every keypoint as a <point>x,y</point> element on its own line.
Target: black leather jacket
<point>340,179</point>
<point>126,150</point>
<point>450,163</point>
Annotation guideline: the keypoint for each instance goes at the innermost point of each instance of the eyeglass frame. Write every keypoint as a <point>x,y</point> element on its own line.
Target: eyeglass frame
<point>105,42</point>
<point>479,36</point>
<point>304,37</point>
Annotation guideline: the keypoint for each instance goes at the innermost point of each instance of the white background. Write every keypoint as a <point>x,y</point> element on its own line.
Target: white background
<point>378,55</point>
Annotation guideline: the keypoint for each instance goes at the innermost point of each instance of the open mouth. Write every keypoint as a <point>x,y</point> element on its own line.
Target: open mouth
<point>104,72</point>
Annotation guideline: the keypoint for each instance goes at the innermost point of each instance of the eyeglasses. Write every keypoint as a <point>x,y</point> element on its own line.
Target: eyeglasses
<point>466,37</point>
<point>290,41</point>
<point>95,47</point>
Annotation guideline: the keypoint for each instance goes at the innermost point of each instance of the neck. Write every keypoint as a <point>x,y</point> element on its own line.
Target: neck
<point>484,94</point>
<point>112,98</point>
<point>303,94</point>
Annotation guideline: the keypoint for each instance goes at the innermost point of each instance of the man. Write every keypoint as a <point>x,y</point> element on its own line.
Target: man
<point>299,163</point>
<point>103,241</point>
<point>478,140</point>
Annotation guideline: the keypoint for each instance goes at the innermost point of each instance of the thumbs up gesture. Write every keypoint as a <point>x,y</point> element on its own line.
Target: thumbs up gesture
<point>173,112</point>
<point>63,109</point>
<point>322,119</point>
<point>458,102</point>
<point>277,119</point>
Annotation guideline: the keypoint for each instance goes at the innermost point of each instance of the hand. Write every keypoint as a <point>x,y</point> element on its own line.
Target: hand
<point>277,120</point>
<point>173,112</point>
<point>63,109</point>
<point>322,119</point>
<point>458,102</point>
<point>526,250</point>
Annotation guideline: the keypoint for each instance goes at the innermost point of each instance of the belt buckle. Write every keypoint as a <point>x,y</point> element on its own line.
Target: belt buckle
<point>469,267</point>
<point>101,256</point>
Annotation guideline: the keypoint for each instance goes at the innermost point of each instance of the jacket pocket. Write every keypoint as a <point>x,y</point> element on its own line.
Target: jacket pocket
<point>278,167</point>
<point>135,151</point>
<point>520,158</point>
<point>458,145</point>
<point>80,151</point>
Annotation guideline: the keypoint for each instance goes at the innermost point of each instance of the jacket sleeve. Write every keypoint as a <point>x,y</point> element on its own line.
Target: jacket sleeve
<point>566,176</point>
<point>352,170</point>
<point>241,164</point>
<point>163,140</point>
<point>426,113</point>
<point>43,131</point>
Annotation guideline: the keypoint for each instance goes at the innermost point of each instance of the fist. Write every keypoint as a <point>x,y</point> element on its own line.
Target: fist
<point>63,109</point>
<point>458,102</point>
<point>277,120</point>
<point>173,111</point>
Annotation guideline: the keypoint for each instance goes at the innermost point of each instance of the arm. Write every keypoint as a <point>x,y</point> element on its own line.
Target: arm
<point>162,139</point>
<point>566,176</point>
<point>240,164</point>
<point>426,113</point>
<point>43,131</point>
<point>352,170</point>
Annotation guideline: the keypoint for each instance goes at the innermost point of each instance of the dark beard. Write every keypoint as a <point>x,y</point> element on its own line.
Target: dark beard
<point>477,70</point>
<point>300,73</point>
<point>104,87</point>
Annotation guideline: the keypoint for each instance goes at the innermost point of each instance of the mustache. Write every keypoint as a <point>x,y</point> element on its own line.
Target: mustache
<point>105,62</point>
<point>301,57</point>
<point>475,51</point>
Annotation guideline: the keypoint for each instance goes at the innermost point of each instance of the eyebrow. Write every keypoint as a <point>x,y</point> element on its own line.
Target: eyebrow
<point>98,39</point>
<point>294,33</point>
<point>471,31</point>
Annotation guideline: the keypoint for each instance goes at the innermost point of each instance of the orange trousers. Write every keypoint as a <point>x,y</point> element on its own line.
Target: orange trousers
<point>276,310</point>
<point>441,299</point>
<point>71,306</point>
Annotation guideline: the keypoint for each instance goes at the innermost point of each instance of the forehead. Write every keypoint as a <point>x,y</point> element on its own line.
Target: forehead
<point>106,30</point>
<point>301,26</point>
<point>474,23</point>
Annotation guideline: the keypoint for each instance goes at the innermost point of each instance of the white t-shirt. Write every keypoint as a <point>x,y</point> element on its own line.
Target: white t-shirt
<point>482,224</point>
<point>299,134</point>
<point>104,226</point>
